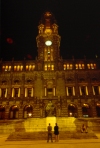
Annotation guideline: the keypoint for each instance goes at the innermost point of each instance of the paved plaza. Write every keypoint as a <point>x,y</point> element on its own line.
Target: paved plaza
<point>75,143</point>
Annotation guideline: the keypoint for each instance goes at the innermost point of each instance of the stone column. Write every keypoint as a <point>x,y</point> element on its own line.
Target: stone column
<point>79,110</point>
<point>76,85</point>
<point>22,93</point>
<point>20,113</point>
<point>7,113</point>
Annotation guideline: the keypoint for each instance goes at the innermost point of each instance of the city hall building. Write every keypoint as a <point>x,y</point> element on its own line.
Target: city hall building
<point>49,86</point>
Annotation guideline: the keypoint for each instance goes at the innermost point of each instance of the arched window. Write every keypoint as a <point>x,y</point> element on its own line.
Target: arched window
<point>16,81</point>
<point>2,112</point>
<point>86,111</point>
<point>82,80</point>
<point>14,112</point>
<point>4,82</point>
<point>72,110</point>
<point>98,109</point>
<point>28,111</point>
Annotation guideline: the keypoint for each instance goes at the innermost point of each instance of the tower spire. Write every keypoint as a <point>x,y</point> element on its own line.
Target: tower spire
<point>48,40</point>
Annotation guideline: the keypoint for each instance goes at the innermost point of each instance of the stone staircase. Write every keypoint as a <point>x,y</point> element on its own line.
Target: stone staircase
<point>28,136</point>
<point>36,128</point>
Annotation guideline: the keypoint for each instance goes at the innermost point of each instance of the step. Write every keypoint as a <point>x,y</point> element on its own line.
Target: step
<point>21,136</point>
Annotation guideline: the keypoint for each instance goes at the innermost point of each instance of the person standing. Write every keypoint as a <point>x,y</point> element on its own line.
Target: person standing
<point>49,128</point>
<point>56,132</point>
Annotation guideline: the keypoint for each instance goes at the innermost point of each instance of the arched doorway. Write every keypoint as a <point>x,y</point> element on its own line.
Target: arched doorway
<point>50,110</point>
<point>98,109</point>
<point>86,111</point>
<point>28,111</point>
<point>72,110</point>
<point>14,112</point>
<point>2,112</point>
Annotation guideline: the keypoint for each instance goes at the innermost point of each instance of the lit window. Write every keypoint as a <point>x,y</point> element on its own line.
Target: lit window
<point>33,67</point>
<point>52,67</point>
<point>76,65</point>
<point>21,67</point>
<point>71,66</point>
<point>67,66</point>
<point>18,67</point>
<point>30,67</point>
<point>26,67</point>
<point>91,66</point>
<point>15,68</point>
<point>6,68</point>
<point>79,66</point>
<point>45,68</point>
<point>49,67</point>
<point>88,65</point>
<point>82,66</point>
<point>64,66</point>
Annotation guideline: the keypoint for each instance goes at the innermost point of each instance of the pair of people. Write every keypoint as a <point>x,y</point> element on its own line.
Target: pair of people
<point>56,132</point>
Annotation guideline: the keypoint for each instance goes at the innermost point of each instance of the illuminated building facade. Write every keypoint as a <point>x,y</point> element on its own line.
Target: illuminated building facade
<point>49,85</point>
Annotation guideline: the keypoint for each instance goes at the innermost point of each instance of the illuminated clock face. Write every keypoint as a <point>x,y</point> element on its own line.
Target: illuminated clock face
<point>48,43</point>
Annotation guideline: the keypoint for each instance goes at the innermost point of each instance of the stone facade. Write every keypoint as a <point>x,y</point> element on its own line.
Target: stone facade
<point>49,86</point>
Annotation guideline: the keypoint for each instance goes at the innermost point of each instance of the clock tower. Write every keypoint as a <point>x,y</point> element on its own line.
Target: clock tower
<point>48,41</point>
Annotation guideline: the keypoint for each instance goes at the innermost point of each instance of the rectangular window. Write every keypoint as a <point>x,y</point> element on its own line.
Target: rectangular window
<point>29,92</point>
<point>79,66</point>
<point>69,66</point>
<point>3,92</point>
<point>76,65</point>
<point>45,68</point>
<point>6,68</point>
<point>91,66</point>
<point>52,67</point>
<point>82,90</point>
<point>70,91</point>
<point>30,67</point>
<point>49,91</point>
<point>48,67</point>
<point>15,68</point>
<point>95,90</point>
<point>64,66</point>
<point>16,92</point>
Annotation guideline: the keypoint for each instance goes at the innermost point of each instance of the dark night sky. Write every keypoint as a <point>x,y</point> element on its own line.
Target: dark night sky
<point>78,21</point>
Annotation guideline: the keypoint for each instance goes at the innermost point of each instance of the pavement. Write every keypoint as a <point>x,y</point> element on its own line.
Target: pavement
<point>71,143</point>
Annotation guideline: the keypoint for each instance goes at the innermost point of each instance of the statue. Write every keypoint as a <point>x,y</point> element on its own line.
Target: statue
<point>50,109</point>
